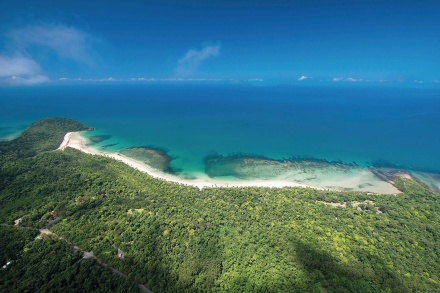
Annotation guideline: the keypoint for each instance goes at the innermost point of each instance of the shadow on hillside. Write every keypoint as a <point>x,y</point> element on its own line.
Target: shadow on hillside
<point>331,276</point>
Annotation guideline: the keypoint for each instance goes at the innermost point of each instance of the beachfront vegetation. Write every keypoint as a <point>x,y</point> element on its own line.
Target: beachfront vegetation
<point>178,238</point>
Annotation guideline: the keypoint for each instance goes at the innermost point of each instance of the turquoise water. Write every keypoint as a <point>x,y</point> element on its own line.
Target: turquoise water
<point>351,124</point>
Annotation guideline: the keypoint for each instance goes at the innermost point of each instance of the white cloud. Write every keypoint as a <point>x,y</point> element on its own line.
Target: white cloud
<point>189,63</point>
<point>66,41</point>
<point>142,79</point>
<point>20,70</point>
<point>25,47</point>
<point>353,79</point>
<point>106,79</point>
<point>36,79</point>
<point>303,77</point>
<point>17,66</point>
<point>27,80</point>
<point>349,79</point>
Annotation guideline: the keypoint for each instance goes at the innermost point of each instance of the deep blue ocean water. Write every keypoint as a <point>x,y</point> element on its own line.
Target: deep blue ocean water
<point>352,124</point>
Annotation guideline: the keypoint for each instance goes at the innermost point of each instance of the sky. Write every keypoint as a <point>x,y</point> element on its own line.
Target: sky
<point>372,41</point>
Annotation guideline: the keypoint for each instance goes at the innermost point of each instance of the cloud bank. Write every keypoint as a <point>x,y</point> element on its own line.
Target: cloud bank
<point>10,66</point>
<point>19,61</point>
<point>20,70</point>
<point>65,41</point>
<point>189,63</point>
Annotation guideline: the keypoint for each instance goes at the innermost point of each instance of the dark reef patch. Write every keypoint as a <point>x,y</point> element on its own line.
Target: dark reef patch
<point>245,166</point>
<point>157,158</point>
<point>108,145</point>
<point>386,164</point>
<point>99,138</point>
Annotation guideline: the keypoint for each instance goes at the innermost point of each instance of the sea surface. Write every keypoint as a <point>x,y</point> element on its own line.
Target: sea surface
<point>352,124</point>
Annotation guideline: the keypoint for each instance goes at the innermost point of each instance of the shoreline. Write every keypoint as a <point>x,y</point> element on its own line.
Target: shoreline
<point>76,141</point>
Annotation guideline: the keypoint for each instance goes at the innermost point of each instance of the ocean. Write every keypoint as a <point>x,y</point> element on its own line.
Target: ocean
<point>363,125</point>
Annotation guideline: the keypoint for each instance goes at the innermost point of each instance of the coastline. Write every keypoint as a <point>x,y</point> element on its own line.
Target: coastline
<point>10,136</point>
<point>76,141</point>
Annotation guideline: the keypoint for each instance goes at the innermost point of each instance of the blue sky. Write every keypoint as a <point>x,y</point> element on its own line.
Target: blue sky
<point>298,41</point>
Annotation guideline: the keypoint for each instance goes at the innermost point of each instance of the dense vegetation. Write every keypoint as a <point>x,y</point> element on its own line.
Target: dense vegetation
<point>178,238</point>
<point>48,264</point>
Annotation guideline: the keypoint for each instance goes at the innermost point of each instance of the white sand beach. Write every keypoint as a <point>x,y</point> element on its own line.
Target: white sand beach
<point>351,182</point>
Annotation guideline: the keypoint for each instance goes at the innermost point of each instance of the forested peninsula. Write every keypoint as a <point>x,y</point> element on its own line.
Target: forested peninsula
<point>75,222</point>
